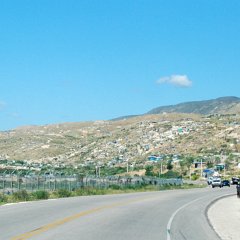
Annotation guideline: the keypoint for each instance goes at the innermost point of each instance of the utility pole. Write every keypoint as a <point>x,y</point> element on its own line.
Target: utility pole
<point>96,167</point>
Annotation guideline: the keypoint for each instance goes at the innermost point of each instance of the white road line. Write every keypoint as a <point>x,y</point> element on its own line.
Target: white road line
<point>174,214</point>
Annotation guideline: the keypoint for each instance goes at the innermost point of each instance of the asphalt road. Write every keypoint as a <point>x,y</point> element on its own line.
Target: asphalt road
<point>164,215</point>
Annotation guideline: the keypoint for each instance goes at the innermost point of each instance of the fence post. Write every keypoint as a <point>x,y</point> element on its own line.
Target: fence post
<point>38,182</point>
<point>54,183</point>
<point>18,180</point>
<point>12,183</point>
<point>69,185</point>
<point>4,184</point>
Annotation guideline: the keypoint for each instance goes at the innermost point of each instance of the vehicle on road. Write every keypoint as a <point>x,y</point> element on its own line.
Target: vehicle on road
<point>225,183</point>
<point>216,183</point>
<point>209,181</point>
<point>238,190</point>
<point>235,180</point>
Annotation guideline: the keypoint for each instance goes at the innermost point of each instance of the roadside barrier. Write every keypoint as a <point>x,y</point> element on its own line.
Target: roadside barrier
<point>13,183</point>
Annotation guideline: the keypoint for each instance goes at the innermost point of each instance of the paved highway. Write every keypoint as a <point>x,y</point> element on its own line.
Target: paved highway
<point>164,215</point>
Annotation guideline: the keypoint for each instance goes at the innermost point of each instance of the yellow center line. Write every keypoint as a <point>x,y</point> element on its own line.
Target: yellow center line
<point>57,223</point>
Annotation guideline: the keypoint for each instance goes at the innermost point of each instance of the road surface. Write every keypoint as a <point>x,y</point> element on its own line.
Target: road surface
<point>163,215</point>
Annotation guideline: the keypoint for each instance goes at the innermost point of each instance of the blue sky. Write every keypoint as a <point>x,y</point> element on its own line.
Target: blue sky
<point>69,61</point>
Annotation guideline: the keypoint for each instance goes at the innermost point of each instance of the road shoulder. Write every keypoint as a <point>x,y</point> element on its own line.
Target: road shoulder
<point>224,216</point>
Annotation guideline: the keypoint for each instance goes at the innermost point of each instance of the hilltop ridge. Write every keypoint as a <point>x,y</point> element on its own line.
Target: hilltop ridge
<point>221,105</point>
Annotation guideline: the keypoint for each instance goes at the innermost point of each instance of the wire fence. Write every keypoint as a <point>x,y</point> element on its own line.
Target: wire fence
<point>13,183</point>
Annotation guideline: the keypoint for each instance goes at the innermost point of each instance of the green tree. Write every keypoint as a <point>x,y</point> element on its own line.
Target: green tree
<point>217,160</point>
<point>209,164</point>
<point>229,162</point>
<point>169,165</point>
<point>149,170</point>
<point>188,161</point>
<point>182,166</point>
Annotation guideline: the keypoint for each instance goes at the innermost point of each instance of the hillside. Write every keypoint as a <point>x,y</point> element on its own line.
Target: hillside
<point>133,139</point>
<point>223,105</point>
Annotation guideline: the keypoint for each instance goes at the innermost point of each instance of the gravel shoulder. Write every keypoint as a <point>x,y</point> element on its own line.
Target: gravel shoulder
<point>224,216</point>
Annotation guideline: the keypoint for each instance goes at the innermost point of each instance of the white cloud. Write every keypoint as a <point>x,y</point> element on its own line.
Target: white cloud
<point>176,80</point>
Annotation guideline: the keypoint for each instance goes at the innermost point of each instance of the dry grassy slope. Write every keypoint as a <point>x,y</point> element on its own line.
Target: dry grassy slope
<point>104,140</point>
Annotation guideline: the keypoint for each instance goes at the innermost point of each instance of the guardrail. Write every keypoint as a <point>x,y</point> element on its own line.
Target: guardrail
<point>13,183</point>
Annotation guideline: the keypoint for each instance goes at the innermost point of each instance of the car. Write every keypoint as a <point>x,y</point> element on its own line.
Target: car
<point>216,183</point>
<point>209,181</point>
<point>238,190</point>
<point>225,183</point>
<point>235,180</point>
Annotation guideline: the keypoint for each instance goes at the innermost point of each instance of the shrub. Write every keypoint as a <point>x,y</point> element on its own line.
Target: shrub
<point>170,174</point>
<point>61,193</point>
<point>41,194</point>
<point>80,192</point>
<point>149,170</point>
<point>90,191</point>
<point>21,195</point>
<point>115,187</point>
<point>195,177</point>
<point>3,198</point>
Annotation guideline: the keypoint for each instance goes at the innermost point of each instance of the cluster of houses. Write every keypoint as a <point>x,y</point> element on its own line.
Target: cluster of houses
<point>113,144</point>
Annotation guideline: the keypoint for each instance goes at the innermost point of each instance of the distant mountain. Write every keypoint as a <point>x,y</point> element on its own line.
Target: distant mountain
<point>222,105</point>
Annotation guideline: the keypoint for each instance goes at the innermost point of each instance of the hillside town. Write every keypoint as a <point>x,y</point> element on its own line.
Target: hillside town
<point>130,143</point>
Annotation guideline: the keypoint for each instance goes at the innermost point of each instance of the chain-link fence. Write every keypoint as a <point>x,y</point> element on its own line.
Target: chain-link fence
<point>12,183</point>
